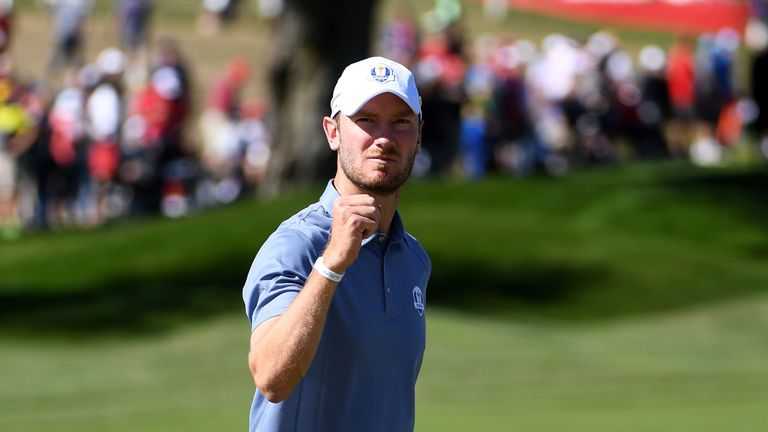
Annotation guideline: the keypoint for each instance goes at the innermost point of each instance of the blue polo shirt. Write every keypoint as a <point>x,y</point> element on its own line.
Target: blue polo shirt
<point>364,373</point>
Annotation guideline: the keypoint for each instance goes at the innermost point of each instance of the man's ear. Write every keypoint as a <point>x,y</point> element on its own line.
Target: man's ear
<point>418,140</point>
<point>331,128</point>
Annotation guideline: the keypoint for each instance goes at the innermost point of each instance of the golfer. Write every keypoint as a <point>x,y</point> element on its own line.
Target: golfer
<point>336,294</point>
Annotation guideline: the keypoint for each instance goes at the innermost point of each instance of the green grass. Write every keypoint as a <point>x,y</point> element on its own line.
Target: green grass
<point>629,299</point>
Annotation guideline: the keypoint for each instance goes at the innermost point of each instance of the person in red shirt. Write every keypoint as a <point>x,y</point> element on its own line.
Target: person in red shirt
<point>680,79</point>
<point>218,123</point>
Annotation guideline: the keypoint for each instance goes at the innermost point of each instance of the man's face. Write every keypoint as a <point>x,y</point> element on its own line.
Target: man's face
<point>377,145</point>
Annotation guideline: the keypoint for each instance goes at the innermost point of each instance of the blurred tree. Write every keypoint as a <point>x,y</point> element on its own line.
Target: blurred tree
<point>314,41</point>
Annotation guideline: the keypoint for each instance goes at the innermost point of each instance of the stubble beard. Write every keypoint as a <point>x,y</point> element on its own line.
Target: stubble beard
<point>386,185</point>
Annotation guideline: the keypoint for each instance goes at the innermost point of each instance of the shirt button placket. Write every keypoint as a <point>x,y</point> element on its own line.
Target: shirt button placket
<point>388,302</point>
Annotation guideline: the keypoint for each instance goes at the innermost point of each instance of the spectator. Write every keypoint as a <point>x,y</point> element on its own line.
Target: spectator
<point>18,129</point>
<point>67,148</point>
<point>728,126</point>
<point>174,85</point>
<point>517,148</point>
<point>150,129</point>
<point>440,74</point>
<point>104,110</point>
<point>680,81</point>
<point>399,39</point>
<point>6,24</point>
<point>473,143</point>
<point>69,21</point>
<point>759,86</point>
<point>219,126</point>
<point>133,23</point>
<point>214,14</point>
<point>256,141</point>
<point>654,108</point>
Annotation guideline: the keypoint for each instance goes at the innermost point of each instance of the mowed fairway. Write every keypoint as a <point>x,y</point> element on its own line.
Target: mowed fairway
<point>629,299</point>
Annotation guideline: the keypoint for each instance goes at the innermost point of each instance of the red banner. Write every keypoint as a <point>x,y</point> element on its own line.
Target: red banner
<point>679,16</point>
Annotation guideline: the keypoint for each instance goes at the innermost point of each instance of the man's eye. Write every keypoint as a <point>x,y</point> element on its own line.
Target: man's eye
<point>363,120</point>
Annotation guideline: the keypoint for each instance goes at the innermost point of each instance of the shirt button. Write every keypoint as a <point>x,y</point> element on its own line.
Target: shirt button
<point>389,290</point>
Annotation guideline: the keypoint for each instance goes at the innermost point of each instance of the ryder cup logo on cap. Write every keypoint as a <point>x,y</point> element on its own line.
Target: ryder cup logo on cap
<point>362,81</point>
<point>382,73</point>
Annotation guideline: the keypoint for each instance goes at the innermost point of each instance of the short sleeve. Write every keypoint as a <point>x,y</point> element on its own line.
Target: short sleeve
<point>278,273</point>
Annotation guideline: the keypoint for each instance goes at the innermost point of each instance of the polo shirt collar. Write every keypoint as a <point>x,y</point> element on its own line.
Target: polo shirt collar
<point>329,196</point>
<point>396,229</point>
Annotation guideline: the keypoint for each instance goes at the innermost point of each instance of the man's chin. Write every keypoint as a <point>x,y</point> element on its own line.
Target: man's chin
<point>381,186</point>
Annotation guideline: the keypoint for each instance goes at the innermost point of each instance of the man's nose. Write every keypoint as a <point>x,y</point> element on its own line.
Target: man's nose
<point>385,135</point>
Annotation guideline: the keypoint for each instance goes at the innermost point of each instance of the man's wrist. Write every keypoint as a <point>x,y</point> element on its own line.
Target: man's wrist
<point>324,271</point>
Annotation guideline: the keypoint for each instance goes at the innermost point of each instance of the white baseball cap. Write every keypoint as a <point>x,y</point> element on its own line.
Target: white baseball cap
<point>362,81</point>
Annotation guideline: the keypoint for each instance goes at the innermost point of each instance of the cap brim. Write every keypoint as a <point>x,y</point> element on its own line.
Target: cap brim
<point>352,109</point>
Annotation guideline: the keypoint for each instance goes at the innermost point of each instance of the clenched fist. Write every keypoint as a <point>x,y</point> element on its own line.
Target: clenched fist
<point>355,217</point>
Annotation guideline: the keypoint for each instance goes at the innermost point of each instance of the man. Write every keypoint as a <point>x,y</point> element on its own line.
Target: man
<point>336,295</point>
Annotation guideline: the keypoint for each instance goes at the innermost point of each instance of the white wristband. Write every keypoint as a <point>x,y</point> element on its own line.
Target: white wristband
<point>321,268</point>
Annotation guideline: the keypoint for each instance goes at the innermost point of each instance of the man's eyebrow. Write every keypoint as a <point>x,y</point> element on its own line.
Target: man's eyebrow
<point>363,113</point>
<point>406,112</point>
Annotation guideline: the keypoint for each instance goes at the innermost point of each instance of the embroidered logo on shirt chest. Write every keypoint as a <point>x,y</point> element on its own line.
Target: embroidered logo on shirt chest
<point>418,300</point>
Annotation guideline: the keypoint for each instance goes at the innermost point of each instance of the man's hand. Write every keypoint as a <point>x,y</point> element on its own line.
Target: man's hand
<point>355,217</point>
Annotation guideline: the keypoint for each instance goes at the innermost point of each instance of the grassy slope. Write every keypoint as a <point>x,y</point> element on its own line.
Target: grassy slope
<point>629,299</point>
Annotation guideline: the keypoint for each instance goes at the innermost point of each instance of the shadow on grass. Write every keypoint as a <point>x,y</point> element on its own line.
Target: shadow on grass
<point>151,304</point>
<point>743,192</point>
<point>128,305</point>
<point>145,305</point>
<point>558,290</point>
<point>472,284</point>
<point>137,306</point>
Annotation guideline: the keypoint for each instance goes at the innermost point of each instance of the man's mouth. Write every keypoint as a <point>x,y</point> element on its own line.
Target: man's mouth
<point>382,158</point>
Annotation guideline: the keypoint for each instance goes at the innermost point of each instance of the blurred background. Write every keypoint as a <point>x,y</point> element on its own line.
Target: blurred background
<point>592,192</point>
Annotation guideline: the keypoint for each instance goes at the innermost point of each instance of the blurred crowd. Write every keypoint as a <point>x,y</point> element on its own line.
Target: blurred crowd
<point>119,135</point>
<point>508,105</point>
<point>122,134</point>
